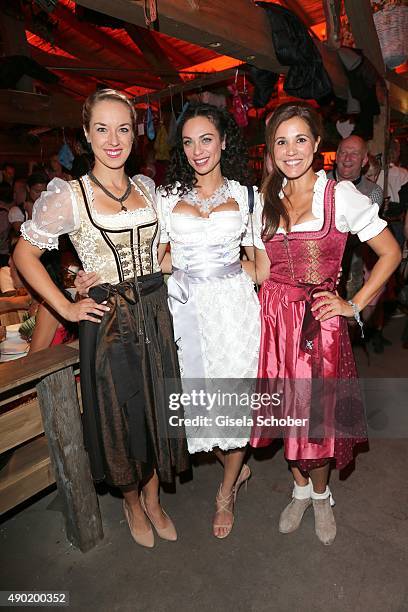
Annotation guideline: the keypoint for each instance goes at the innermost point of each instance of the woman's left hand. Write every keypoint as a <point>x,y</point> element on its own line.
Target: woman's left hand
<point>327,305</point>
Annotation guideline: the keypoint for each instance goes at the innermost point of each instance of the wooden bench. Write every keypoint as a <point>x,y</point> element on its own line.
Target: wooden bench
<point>40,426</point>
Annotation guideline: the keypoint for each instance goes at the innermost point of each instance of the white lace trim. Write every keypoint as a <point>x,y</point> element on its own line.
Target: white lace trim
<point>202,445</point>
<point>49,246</point>
<point>236,191</point>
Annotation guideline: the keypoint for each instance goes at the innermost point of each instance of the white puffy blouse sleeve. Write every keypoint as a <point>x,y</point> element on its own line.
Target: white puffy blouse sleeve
<point>54,213</point>
<point>355,212</point>
<point>254,225</point>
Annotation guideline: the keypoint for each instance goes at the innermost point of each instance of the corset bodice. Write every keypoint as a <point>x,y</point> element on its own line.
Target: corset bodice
<point>309,257</point>
<point>119,246</point>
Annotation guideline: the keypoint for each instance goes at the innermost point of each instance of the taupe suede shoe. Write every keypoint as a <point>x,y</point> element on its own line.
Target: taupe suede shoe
<point>292,515</point>
<point>325,524</point>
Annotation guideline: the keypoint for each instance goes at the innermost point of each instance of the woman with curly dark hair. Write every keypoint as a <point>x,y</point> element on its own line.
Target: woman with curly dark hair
<point>204,214</point>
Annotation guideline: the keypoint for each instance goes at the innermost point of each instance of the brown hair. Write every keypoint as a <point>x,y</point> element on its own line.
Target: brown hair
<point>106,94</point>
<point>274,208</point>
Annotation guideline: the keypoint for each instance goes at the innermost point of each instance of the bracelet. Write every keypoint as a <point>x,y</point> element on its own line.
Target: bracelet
<point>356,315</point>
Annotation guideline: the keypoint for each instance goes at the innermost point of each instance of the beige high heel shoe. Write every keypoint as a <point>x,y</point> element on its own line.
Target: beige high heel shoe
<point>144,538</point>
<point>167,533</point>
<point>243,477</point>
<point>221,505</point>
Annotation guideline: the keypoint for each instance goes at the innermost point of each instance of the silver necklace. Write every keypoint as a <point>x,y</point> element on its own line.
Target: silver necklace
<point>119,199</point>
<point>205,205</point>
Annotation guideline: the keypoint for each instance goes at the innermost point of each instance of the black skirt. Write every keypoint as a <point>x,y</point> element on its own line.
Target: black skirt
<point>128,368</point>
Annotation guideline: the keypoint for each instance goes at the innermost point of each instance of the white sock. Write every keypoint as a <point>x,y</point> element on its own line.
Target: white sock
<point>301,492</point>
<point>324,495</point>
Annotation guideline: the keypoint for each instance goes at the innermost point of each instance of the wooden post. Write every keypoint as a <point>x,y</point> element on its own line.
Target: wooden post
<point>15,43</point>
<point>59,406</point>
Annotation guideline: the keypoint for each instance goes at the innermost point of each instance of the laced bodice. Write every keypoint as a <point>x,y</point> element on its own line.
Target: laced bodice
<point>116,246</point>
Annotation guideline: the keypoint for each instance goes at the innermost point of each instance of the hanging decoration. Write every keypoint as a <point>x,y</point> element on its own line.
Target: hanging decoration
<point>172,125</point>
<point>238,109</point>
<point>183,110</point>
<point>65,154</point>
<point>150,11</point>
<point>245,97</point>
<point>161,144</point>
<point>150,131</point>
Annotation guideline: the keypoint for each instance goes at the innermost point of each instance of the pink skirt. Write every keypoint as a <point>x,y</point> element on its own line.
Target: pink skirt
<point>319,418</point>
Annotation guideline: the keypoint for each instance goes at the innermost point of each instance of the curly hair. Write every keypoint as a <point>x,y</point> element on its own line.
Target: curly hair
<point>234,159</point>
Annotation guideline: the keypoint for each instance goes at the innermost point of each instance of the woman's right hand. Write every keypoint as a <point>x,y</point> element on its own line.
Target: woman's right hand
<point>85,280</point>
<point>85,310</point>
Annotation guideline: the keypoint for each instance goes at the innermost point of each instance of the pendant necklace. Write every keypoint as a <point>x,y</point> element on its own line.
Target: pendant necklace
<point>120,199</point>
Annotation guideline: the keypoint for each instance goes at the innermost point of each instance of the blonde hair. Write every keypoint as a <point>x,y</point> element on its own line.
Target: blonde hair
<point>106,94</point>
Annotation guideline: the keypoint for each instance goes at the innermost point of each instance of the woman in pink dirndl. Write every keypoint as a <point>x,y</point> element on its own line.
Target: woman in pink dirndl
<point>305,353</point>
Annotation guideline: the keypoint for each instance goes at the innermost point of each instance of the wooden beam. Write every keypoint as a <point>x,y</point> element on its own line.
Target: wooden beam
<point>153,53</point>
<point>14,42</point>
<point>28,472</point>
<point>20,424</point>
<point>29,369</point>
<point>92,33</point>
<point>172,90</point>
<point>88,68</point>
<point>240,30</point>
<point>299,11</point>
<point>235,28</point>
<point>360,15</point>
<point>398,97</point>
<point>35,109</point>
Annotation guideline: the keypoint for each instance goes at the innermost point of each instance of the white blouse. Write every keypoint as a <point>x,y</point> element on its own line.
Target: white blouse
<point>56,213</point>
<point>354,212</point>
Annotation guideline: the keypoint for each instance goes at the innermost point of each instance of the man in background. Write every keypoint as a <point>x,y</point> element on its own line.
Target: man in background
<point>22,211</point>
<point>351,158</point>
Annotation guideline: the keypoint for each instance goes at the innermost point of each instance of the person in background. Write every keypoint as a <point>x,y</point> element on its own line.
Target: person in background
<point>20,299</point>
<point>44,327</point>
<point>405,281</point>
<point>373,168</point>
<point>7,174</point>
<point>36,184</point>
<point>318,162</point>
<point>351,159</point>
<point>397,175</point>
<point>395,210</point>
<point>16,212</point>
<point>6,200</point>
<point>54,169</point>
<point>82,162</point>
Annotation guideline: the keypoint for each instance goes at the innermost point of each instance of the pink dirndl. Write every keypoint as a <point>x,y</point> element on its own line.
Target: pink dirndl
<point>310,364</point>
